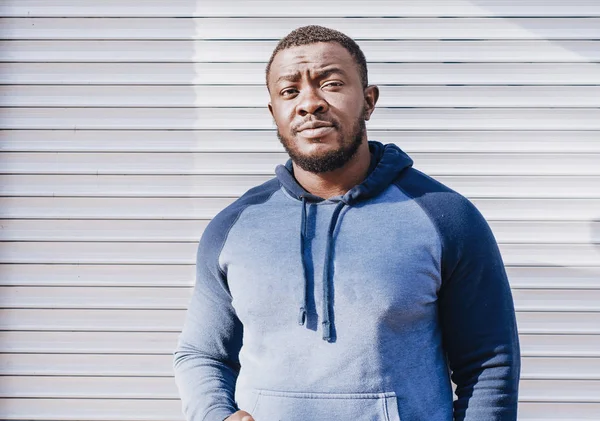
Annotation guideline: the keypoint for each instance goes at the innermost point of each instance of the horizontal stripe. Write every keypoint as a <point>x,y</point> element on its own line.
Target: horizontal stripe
<point>169,410</point>
<point>260,119</point>
<point>551,391</point>
<point>188,73</point>
<point>266,141</point>
<point>260,51</point>
<point>90,387</point>
<point>554,276</point>
<point>557,411</point>
<point>191,230</point>
<point>149,343</point>
<point>124,365</point>
<point>165,388</point>
<point>575,232</point>
<point>550,277</point>
<point>87,298</point>
<point>184,253</point>
<point>257,96</point>
<point>275,28</point>
<point>563,322</point>
<point>196,186</point>
<point>533,368</point>
<point>517,209</point>
<point>177,298</point>
<point>154,320</point>
<point>264,164</point>
<point>310,8</point>
<point>105,275</point>
<point>538,368</point>
<point>94,320</point>
<point>91,409</point>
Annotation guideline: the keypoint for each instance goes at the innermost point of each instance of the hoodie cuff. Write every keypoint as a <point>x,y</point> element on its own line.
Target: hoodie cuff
<point>219,413</point>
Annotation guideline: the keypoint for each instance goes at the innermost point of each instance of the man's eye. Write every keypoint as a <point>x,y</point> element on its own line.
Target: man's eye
<point>288,92</point>
<point>331,84</point>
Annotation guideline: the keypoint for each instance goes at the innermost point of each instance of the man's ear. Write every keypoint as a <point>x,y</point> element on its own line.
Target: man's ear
<point>271,109</point>
<point>371,97</point>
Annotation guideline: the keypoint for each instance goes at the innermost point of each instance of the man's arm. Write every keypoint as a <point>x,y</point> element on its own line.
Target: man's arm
<point>206,359</point>
<point>477,318</point>
<point>476,309</point>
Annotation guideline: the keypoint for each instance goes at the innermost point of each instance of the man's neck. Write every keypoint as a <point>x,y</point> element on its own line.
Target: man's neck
<point>337,182</point>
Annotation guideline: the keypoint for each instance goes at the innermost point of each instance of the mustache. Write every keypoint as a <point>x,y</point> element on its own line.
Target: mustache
<point>295,128</point>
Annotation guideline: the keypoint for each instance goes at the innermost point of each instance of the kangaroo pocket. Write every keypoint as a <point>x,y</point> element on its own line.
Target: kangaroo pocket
<point>294,406</point>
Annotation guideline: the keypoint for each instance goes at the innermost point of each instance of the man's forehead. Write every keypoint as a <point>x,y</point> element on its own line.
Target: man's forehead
<point>318,55</point>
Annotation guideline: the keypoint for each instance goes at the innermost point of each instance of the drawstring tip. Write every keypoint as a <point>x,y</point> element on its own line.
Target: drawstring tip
<point>302,316</point>
<point>326,331</point>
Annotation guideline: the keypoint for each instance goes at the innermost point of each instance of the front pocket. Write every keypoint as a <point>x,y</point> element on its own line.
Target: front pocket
<point>295,406</point>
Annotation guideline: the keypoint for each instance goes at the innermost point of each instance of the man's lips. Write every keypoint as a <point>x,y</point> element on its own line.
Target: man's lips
<point>314,129</point>
<point>316,132</point>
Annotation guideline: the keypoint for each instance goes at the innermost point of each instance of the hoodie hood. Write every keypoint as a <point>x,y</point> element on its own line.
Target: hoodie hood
<point>387,162</point>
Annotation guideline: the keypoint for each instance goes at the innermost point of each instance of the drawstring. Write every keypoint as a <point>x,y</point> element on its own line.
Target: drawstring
<point>326,272</point>
<point>326,266</point>
<point>302,314</point>
<point>326,298</point>
<point>387,162</point>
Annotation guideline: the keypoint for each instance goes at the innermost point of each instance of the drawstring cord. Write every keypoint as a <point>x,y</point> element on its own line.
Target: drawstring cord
<point>302,314</point>
<point>326,272</point>
<point>327,328</point>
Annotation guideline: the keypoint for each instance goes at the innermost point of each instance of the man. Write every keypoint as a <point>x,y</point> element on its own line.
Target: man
<point>350,286</point>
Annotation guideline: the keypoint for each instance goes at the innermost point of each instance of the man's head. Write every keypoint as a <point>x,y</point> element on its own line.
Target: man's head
<point>320,98</point>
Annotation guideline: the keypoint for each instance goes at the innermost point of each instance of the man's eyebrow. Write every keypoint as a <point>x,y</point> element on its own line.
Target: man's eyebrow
<point>319,74</point>
<point>292,77</point>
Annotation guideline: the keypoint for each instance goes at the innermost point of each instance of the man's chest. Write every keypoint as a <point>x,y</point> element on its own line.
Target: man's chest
<point>382,264</point>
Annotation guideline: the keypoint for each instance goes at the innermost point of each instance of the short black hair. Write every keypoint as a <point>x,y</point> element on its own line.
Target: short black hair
<point>312,34</point>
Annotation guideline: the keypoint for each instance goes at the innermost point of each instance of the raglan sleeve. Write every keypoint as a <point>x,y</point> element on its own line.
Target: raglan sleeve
<point>477,318</point>
<point>206,360</point>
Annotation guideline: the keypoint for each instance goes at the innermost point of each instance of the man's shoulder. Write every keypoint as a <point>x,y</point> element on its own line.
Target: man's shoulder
<point>422,187</point>
<point>452,213</point>
<point>226,218</point>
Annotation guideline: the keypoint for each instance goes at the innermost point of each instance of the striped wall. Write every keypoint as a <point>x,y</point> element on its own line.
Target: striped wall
<point>127,125</point>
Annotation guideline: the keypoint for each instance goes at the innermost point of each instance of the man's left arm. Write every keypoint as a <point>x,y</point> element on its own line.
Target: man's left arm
<point>478,320</point>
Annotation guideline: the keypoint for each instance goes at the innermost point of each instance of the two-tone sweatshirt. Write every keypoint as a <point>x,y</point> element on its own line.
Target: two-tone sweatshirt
<point>363,306</point>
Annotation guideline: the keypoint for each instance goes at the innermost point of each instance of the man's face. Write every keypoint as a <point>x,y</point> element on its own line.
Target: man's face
<point>319,105</point>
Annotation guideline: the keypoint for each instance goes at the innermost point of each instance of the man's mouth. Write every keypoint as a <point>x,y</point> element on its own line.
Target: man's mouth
<point>316,132</point>
<point>314,129</point>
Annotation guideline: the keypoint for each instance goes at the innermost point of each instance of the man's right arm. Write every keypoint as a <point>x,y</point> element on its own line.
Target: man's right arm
<point>206,358</point>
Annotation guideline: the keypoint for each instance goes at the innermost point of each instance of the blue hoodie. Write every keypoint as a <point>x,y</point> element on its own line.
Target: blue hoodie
<point>360,306</point>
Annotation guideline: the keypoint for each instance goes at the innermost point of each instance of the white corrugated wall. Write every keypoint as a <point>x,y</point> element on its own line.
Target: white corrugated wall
<point>126,125</point>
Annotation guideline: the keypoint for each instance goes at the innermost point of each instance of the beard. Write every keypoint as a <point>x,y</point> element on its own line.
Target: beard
<point>330,160</point>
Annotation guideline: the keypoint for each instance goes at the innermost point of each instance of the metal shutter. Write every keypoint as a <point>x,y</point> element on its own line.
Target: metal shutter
<point>126,125</point>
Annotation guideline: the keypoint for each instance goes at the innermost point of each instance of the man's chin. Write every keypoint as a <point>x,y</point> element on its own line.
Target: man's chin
<point>319,155</point>
<point>318,147</point>
<point>320,161</point>
<point>331,139</point>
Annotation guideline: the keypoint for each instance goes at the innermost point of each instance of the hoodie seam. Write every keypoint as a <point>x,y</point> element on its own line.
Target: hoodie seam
<point>431,221</point>
<point>238,216</point>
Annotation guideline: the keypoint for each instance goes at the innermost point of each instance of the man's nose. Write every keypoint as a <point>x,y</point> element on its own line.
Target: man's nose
<point>311,102</point>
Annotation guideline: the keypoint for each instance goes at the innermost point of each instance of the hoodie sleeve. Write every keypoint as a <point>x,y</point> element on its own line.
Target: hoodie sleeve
<point>206,358</point>
<point>478,320</point>
<point>476,310</point>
